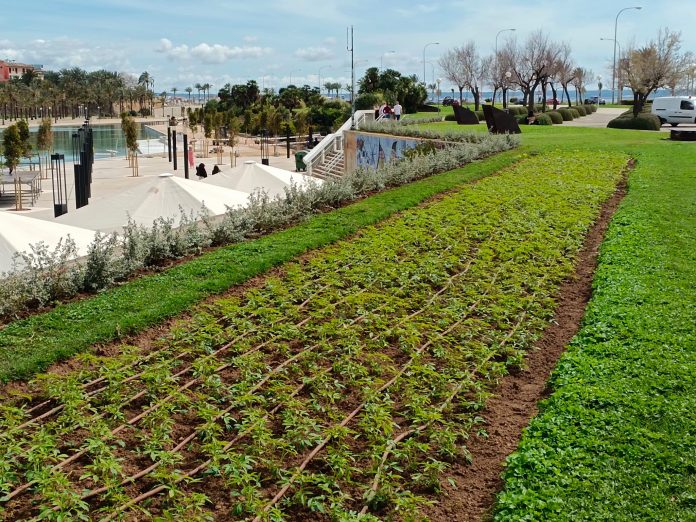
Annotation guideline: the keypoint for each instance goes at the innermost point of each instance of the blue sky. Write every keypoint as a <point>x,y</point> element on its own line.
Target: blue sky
<point>275,41</point>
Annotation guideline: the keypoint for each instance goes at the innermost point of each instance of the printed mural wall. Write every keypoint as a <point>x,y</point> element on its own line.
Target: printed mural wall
<point>365,150</point>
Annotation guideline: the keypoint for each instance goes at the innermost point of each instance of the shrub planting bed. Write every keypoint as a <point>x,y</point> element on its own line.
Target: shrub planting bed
<point>343,385</point>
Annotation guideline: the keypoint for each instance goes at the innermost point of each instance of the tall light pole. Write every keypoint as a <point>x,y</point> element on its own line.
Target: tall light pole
<point>496,40</point>
<point>320,68</point>
<point>616,44</point>
<point>351,49</point>
<point>496,49</point>
<point>613,69</point>
<point>424,47</point>
<point>381,59</point>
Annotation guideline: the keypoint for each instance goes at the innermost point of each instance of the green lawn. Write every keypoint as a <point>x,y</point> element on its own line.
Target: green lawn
<point>617,438</point>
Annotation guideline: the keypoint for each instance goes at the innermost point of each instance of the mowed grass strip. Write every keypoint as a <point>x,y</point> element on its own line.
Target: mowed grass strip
<point>617,438</point>
<point>32,344</point>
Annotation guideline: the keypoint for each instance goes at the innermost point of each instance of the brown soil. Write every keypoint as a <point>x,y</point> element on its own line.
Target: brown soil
<point>514,400</point>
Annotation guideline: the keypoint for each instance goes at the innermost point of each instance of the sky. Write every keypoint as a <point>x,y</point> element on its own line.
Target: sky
<point>277,42</point>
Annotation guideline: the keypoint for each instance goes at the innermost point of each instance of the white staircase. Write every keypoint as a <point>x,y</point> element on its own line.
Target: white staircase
<point>327,160</point>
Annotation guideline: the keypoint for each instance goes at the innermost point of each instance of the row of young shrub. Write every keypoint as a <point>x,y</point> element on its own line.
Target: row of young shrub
<point>45,277</point>
<point>552,117</point>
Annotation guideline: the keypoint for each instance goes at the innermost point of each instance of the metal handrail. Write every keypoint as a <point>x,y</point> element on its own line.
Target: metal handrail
<point>333,141</point>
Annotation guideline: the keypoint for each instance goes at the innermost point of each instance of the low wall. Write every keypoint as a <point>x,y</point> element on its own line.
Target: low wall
<point>372,150</point>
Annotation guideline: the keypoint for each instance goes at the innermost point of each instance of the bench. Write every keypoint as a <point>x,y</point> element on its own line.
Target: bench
<point>682,135</point>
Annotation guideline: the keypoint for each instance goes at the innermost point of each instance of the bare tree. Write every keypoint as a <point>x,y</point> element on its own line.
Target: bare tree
<point>465,67</point>
<point>453,69</point>
<point>495,75</point>
<point>565,72</point>
<point>556,58</point>
<point>530,65</point>
<point>474,70</point>
<point>580,76</point>
<point>648,68</point>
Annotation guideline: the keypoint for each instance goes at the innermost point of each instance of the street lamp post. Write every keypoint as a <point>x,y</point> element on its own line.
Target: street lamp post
<point>320,68</point>
<point>424,47</point>
<point>613,69</point>
<point>496,49</point>
<point>496,40</point>
<point>508,75</point>
<point>616,43</point>
<point>381,59</point>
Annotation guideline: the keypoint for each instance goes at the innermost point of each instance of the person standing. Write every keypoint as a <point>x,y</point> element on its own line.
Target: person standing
<point>397,110</point>
<point>190,156</point>
<point>387,111</point>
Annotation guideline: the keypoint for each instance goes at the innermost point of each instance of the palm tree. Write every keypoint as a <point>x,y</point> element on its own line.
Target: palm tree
<point>206,88</point>
<point>199,88</point>
<point>144,79</point>
<point>189,90</point>
<point>174,89</point>
<point>163,99</point>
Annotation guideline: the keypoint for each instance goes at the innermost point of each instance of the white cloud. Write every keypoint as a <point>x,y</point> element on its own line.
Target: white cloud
<point>207,53</point>
<point>65,53</point>
<point>314,54</point>
<point>250,39</point>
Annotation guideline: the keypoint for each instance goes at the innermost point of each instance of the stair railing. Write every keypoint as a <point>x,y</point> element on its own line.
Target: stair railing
<point>334,142</point>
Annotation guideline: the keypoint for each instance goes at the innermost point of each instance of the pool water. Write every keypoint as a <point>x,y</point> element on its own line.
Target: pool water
<point>109,141</point>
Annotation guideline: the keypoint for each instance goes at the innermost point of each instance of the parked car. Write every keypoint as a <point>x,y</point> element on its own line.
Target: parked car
<point>595,99</point>
<point>675,109</point>
<point>551,102</point>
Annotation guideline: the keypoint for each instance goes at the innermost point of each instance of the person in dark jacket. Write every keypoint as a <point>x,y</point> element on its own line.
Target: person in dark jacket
<point>200,171</point>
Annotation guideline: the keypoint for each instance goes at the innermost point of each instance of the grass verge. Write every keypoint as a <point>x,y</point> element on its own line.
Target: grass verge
<point>616,439</point>
<point>30,345</point>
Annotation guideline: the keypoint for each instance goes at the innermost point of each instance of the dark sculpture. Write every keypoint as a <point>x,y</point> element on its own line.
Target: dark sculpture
<point>500,122</point>
<point>464,115</point>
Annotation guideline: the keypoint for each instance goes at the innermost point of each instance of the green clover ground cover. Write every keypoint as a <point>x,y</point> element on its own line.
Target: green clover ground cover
<point>30,345</point>
<point>617,438</point>
<point>344,385</point>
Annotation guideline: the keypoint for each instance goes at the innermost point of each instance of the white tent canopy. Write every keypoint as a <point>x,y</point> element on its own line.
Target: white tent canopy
<point>18,233</point>
<point>152,197</point>
<point>252,175</point>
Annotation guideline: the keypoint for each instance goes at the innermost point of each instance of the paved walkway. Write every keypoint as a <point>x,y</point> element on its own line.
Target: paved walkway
<point>605,114</point>
<point>596,119</point>
<point>113,175</point>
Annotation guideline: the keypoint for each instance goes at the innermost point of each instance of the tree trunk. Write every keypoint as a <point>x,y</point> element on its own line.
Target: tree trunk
<point>461,90</point>
<point>477,96</point>
<point>543,96</point>
<point>555,99</point>
<point>567,94</point>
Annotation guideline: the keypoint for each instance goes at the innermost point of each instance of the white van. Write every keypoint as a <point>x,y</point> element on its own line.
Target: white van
<point>675,109</point>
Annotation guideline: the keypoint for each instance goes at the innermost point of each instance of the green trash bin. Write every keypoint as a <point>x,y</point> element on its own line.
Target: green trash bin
<point>299,162</point>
